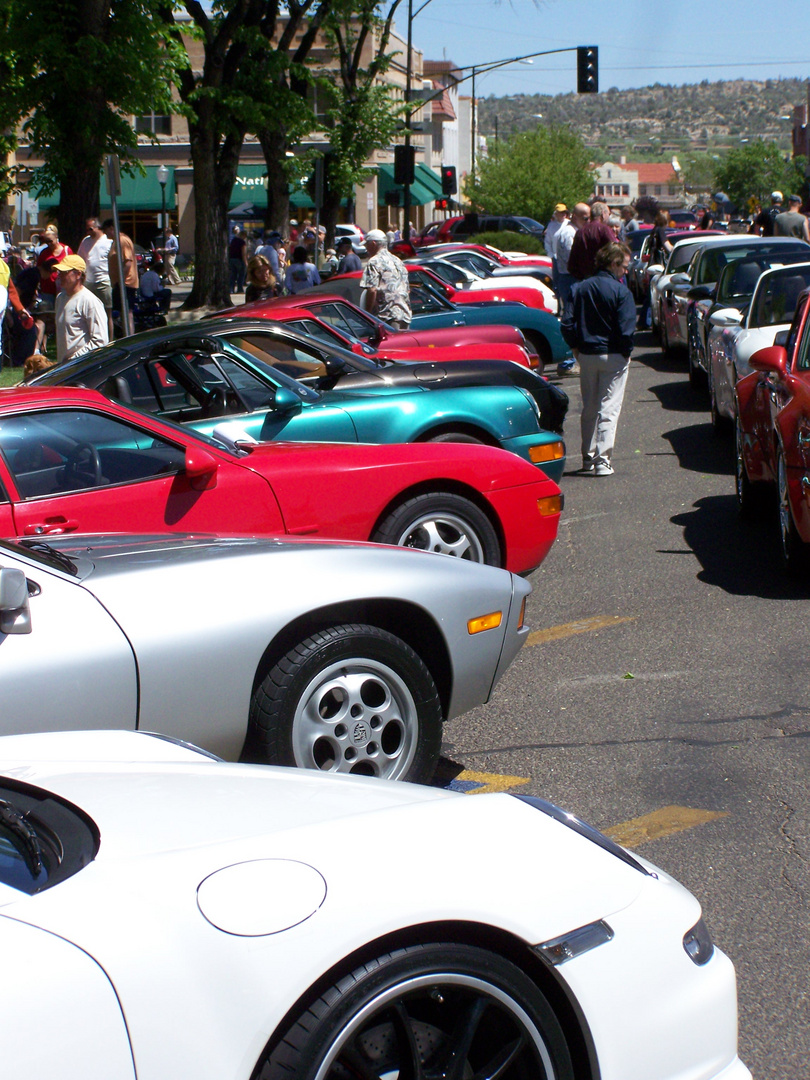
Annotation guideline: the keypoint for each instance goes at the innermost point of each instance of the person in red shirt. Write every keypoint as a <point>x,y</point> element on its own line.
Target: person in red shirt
<point>50,255</point>
<point>592,236</point>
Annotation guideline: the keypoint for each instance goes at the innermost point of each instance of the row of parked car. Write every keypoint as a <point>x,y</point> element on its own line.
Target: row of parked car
<point>738,307</point>
<point>177,914</point>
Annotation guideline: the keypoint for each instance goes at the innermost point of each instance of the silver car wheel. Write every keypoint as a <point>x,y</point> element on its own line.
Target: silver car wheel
<point>446,534</point>
<point>356,716</point>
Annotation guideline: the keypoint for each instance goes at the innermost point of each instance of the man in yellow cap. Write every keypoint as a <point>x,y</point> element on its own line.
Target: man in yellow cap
<point>81,320</point>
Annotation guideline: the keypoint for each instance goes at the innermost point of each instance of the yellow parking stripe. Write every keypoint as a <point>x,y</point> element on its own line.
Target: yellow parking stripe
<point>581,626</point>
<point>476,783</point>
<point>664,822</point>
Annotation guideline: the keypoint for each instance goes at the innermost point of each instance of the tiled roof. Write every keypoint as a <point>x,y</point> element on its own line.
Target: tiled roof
<point>656,172</point>
<point>443,107</point>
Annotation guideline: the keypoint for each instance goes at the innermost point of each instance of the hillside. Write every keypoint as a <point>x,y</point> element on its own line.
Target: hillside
<point>706,116</point>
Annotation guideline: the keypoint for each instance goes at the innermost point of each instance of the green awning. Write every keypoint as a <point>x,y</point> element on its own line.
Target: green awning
<point>421,193</point>
<point>250,186</point>
<point>137,193</point>
<point>429,179</point>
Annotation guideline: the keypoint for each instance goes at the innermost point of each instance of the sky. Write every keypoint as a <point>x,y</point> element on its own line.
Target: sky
<point>639,42</point>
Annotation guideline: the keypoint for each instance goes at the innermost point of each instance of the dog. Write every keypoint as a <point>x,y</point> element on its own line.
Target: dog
<point>35,364</point>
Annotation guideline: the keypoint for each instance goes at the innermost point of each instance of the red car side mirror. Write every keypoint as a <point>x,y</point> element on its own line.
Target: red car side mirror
<point>201,468</point>
<point>772,360</point>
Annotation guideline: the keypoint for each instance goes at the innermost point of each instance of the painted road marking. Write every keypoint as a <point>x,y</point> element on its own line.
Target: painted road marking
<point>664,822</point>
<point>581,626</point>
<point>476,783</point>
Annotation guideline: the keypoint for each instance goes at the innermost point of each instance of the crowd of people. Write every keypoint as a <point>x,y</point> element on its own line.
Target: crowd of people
<point>72,295</point>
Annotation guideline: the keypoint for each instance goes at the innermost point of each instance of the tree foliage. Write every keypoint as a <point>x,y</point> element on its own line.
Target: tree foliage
<point>74,72</point>
<point>530,173</point>
<point>754,170</point>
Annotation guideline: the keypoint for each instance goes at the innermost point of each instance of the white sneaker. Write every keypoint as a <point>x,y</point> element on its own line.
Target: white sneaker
<point>603,469</point>
<point>587,467</point>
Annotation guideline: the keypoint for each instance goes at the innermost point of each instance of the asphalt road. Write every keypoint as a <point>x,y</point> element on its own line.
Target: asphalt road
<point>667,670</point>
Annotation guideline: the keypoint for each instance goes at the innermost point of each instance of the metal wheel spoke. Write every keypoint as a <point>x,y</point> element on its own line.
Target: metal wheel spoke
<point>410,1063</point>
<point>501,1061</point>
<point>456,1051</point>
<point>355,1064</point>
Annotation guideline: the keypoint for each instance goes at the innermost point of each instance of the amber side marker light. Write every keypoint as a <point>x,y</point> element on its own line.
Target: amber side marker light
<point>547,452</point>
<point>484,622</point>
<point>522,616</point>
<point>551,504</point>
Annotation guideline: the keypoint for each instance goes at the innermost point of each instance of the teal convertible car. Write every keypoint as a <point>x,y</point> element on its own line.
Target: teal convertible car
<point>266,382</point>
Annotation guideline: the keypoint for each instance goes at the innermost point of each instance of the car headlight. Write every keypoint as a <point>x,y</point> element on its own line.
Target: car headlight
<point>698,943</point>
<point>588,831</point>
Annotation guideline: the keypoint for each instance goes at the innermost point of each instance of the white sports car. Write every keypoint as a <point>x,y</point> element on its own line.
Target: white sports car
<point>734,337</point>
<point>165,915</point>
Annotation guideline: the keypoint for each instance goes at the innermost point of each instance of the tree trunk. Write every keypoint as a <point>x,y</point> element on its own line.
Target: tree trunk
<point>274,147</point>
<point>78,201</point>
<point>330,211</point>
<point>214,177</point>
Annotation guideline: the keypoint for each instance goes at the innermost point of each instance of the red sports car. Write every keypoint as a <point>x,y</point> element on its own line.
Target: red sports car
<point>503,257</point>
<point>336,321</point>
<point>507,294</point>
<point>73,461</point>
<point>773,437</point>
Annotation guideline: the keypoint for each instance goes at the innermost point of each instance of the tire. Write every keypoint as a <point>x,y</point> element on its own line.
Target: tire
<point>751,496</point>
<point>456,436</point>
<point>445,523</point>
<point>697,378</point>
<point>720,424</point>
<point>795,553</point>
<point>425,1011</point>
<point>349,699</point>
<point>666,346</point>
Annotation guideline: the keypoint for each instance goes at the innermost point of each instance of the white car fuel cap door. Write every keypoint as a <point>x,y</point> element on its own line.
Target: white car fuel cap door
<point>252,899</point>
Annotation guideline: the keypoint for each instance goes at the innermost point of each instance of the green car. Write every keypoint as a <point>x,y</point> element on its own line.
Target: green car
<point>252,379</point>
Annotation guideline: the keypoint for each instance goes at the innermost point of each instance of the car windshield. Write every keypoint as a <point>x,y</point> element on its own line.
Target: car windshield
<point>712,260</point>
<point>680,257</point>
<point>778,296</point>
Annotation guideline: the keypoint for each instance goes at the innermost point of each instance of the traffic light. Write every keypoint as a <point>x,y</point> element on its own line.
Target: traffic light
<point>588,69</point>
<point>442,204</point>
<point>449,185</point>
<point>404,164</point>
<point>392,197</point>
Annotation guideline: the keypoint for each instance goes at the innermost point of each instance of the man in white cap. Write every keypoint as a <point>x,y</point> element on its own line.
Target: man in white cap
<point>385,281</point>
<point>81,321</point>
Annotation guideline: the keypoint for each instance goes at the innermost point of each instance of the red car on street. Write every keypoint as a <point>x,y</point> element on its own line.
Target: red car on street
<point>773,437</point>
<point>335,321</point>
<point>71,460</point>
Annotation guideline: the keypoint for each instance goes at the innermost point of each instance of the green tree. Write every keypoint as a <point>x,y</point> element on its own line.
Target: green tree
<point>74,73</point>
<point>529,173</point>
<point>753,171</point>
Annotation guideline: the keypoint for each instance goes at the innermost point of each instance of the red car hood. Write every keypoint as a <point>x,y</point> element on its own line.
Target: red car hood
<point>450,337</point>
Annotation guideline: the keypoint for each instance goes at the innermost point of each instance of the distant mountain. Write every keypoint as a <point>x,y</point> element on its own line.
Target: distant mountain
<point>706,116</point>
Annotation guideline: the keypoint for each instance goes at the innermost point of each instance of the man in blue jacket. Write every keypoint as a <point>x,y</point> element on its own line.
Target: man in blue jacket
<point>599,325</point>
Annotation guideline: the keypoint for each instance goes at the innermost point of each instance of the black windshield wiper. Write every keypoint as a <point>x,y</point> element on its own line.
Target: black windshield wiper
<point>16,824</point>
<point>58,557</point>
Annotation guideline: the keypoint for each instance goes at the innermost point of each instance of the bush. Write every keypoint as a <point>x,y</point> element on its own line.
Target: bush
<point>510,241</point>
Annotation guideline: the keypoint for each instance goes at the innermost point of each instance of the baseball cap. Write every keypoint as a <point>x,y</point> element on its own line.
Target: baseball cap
<point>794,198</point>
<point>776,196</point>
<point>560,208</point>
<point>377,235</point>
<point>72,262</point>
<point>343,240</point>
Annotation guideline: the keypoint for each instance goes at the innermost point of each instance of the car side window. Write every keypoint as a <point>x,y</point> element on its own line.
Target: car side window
<point>58,451</point>
<point>286,357</point>
<point>423,301</point>
<point>344,318</point>
<point>317,331</point>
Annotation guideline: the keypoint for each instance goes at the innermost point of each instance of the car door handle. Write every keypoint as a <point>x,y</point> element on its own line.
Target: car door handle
<point>53,526</point>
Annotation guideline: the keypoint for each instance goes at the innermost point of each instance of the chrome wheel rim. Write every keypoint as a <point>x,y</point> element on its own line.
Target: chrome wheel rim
<point>424,1025</point>
<point>446,534</point>
<point>356,716</point>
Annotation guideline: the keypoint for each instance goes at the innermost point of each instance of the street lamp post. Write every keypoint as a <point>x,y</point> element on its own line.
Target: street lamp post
<point>163,176</point>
